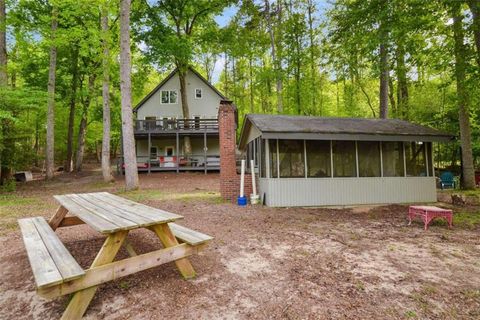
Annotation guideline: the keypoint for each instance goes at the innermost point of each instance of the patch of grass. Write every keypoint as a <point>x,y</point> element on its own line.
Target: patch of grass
<point>471,293</point>
<point>123,285</point>
<point>360,286</point>
<point>10,200</point>
<point>469,220</point>
<point>410,314</point>
<point>145,195</point>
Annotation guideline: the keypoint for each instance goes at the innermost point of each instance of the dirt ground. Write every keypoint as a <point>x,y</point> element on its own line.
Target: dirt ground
<point>265,263</point>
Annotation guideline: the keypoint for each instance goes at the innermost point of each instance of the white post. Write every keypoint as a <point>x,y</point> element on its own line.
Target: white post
<point>242,179</point>
<point>254,187</point>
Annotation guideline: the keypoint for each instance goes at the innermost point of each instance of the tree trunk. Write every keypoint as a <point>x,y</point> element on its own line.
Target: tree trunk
<point>468,172</point>
<point>182,75</point>
<point>402,84</point>
<point>250,68</point>
<point>3,45</point>
<point>71,117</point>
<point>275,58</point>
<point>383,81</point>
<point>106,168</point>
<point>475,9</point>
<point>130,158</point>
<point>313,70</point>
<point>50,161</point>
<point>82,130</point>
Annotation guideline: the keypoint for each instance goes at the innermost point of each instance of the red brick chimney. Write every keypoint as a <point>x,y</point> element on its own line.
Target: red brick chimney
<point>229,179</point>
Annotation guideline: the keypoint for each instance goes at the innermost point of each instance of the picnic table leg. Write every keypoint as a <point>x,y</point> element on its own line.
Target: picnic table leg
<point>57,218</point>
<point>167,238</point>
<point>81,299</point>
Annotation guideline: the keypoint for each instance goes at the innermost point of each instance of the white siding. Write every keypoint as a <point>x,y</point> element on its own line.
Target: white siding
<point>206,106</point>
<point>291,192</point>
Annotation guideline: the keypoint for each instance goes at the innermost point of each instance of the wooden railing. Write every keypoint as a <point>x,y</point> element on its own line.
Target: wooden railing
<point>174,125</point>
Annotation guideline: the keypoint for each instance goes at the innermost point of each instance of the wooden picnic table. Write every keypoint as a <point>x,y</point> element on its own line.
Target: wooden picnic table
<point>57,273</point>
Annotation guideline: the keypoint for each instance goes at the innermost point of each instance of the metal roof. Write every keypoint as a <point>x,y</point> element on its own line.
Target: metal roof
<point>283,125</point>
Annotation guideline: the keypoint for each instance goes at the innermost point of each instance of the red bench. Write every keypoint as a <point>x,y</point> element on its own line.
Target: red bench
<point>428,213</point>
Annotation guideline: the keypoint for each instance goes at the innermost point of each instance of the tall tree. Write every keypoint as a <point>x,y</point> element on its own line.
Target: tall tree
<point>3,44</point>
<point>73,100</point>
<point>269,15</point>
<point>128,147</point>
<point>468,172</point>
<point>383,56</point>
<point>50,150</point>
<point>106,169</point>
<point>475,9</point>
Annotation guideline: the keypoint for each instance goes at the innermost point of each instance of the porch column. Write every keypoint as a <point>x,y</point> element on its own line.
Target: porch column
<point>177,153</point>
<point>205,149</point>
<point>149,150</point>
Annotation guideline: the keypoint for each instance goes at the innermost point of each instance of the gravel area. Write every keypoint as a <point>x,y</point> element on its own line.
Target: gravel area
<point>265,263</point>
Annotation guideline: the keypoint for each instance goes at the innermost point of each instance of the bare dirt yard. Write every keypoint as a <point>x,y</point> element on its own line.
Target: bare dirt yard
<point>265,263</point>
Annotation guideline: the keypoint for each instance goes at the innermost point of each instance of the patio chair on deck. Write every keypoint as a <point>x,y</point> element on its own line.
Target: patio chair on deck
<point>447,180</point>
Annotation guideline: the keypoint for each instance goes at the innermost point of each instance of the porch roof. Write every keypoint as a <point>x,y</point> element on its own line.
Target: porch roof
<point>305,127</point>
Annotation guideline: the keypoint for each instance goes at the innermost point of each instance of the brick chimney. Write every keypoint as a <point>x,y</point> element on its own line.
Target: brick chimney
<point>227,135</point>
<point>229,179</point>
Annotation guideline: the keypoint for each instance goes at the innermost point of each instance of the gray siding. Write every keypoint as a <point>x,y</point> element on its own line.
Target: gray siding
<point>346,191</point>
<point>206,107</point>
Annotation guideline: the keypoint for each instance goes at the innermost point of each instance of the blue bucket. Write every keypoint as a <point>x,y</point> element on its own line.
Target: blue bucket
<point>242,201</point>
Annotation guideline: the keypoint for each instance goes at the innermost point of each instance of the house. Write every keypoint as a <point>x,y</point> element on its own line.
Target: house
<point>160,127</point>
<point>313,161</point>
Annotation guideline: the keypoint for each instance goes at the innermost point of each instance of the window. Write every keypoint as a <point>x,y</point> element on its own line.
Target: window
<point>318,158</point>
<point>198,93</point>
<point>392,156</point>
<point>272,146</point>
<point>169,96</point>
<point>368,158</point>
<point>292,158</point>
<point>415,159</point>
<point>344,159</point>
<point>153,153</point>
<point>169,151</point>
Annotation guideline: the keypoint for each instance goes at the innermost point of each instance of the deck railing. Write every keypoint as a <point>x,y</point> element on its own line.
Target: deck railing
<point>176,125</point>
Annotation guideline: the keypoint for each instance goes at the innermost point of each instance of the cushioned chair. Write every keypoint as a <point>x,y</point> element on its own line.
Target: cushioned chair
<point>447,180</point>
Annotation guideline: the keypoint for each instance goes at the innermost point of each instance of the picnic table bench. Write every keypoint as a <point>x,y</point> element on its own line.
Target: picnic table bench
<point>56,271</point>
<point>428,213</point>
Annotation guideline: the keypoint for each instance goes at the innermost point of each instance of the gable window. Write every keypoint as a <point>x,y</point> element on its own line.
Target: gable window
<point>169,96</point>
<point>198,93</point>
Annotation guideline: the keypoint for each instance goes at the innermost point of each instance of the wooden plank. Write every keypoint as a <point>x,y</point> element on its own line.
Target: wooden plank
<point>65,262</point>
<point>81,299</point>
<point>188,235</point>
<point>57,218</point>
<point>71,221</point>
<point>168,240</point>
<point>101,201</point>
<point>122,268</point>
<point>44,269</point>
<point>113,217</point>
<point>94,221</point>
<point>143,210</point>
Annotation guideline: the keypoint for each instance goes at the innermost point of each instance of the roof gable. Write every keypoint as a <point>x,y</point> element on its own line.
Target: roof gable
<point>167,78</point>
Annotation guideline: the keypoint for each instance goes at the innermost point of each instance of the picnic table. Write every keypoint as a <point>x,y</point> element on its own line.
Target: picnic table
<point>56,271</point>
<point>428,213</point>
